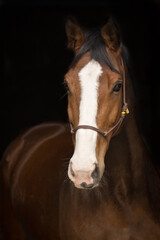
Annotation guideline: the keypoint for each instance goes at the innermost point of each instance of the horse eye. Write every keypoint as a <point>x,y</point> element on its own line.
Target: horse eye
<point>117,87</point>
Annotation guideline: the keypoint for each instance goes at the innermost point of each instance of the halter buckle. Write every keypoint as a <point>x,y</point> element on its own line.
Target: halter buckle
<point>125,112</point>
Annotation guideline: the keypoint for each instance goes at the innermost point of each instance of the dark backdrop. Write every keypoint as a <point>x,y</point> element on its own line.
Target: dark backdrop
<point>34,59</point>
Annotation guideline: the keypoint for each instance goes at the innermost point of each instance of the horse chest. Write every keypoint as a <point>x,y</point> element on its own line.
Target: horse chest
<point>83,218</point>
<point>88,219</point>
<point>95,227</point>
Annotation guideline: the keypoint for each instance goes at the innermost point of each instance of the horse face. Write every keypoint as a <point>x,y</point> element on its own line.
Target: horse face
<point>94,99</point>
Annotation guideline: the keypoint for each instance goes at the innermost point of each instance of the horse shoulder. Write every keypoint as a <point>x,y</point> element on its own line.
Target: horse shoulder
<point>31,174</point>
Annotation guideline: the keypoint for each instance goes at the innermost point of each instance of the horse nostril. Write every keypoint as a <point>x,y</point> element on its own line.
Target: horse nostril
<point>95,174</point>
<point>72,173</point>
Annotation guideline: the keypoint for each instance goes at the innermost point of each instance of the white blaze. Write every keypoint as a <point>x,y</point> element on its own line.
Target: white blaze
<point>84,156</point>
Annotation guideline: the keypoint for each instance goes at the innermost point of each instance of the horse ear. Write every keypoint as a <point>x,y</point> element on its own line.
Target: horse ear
<point>111,35</point>
<point>74,34</point>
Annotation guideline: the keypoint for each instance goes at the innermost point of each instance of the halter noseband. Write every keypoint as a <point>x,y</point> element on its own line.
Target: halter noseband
<point>125,111</point>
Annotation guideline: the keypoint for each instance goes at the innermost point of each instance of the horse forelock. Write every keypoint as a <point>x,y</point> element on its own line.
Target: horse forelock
<point>94,44</point>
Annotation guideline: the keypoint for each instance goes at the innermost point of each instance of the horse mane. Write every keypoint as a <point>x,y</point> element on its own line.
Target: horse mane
<point>95,44</point>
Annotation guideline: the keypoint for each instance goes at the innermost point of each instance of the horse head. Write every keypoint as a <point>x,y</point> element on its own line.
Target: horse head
<point>96,98</point>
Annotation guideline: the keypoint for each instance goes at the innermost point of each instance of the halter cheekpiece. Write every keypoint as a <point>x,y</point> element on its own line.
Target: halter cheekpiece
<point>125,111</point>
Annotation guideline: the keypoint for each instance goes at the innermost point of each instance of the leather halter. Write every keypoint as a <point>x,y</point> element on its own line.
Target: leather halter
<point>125,111</point>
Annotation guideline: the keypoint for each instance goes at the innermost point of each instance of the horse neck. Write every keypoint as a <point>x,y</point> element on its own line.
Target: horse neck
<point>125,157</point>
<point>128,165</point>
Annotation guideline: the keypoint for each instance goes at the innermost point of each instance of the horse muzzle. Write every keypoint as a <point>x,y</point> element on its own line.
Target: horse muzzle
<point>84,179</point>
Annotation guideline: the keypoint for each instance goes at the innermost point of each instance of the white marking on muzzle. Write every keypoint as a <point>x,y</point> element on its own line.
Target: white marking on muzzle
<point>85,150</point>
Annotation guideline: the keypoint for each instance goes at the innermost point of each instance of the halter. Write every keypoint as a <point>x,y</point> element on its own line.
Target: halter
<point>125,111</point>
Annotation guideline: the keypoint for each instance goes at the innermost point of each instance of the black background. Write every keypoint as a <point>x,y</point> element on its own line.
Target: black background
<point>34,58</point>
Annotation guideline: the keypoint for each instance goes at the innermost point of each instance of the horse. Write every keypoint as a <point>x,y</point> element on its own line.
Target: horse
<point>98,184</point>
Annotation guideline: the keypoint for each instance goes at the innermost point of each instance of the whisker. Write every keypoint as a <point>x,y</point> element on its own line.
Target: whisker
<point>63,96</point>
<point>66,179</point>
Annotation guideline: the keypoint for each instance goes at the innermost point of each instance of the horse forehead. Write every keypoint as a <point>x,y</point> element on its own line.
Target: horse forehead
<point>91,69</point>
<point>90,73</point>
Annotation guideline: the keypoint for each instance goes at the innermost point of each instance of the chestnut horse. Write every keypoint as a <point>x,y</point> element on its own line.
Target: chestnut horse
<point>110,190</point>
